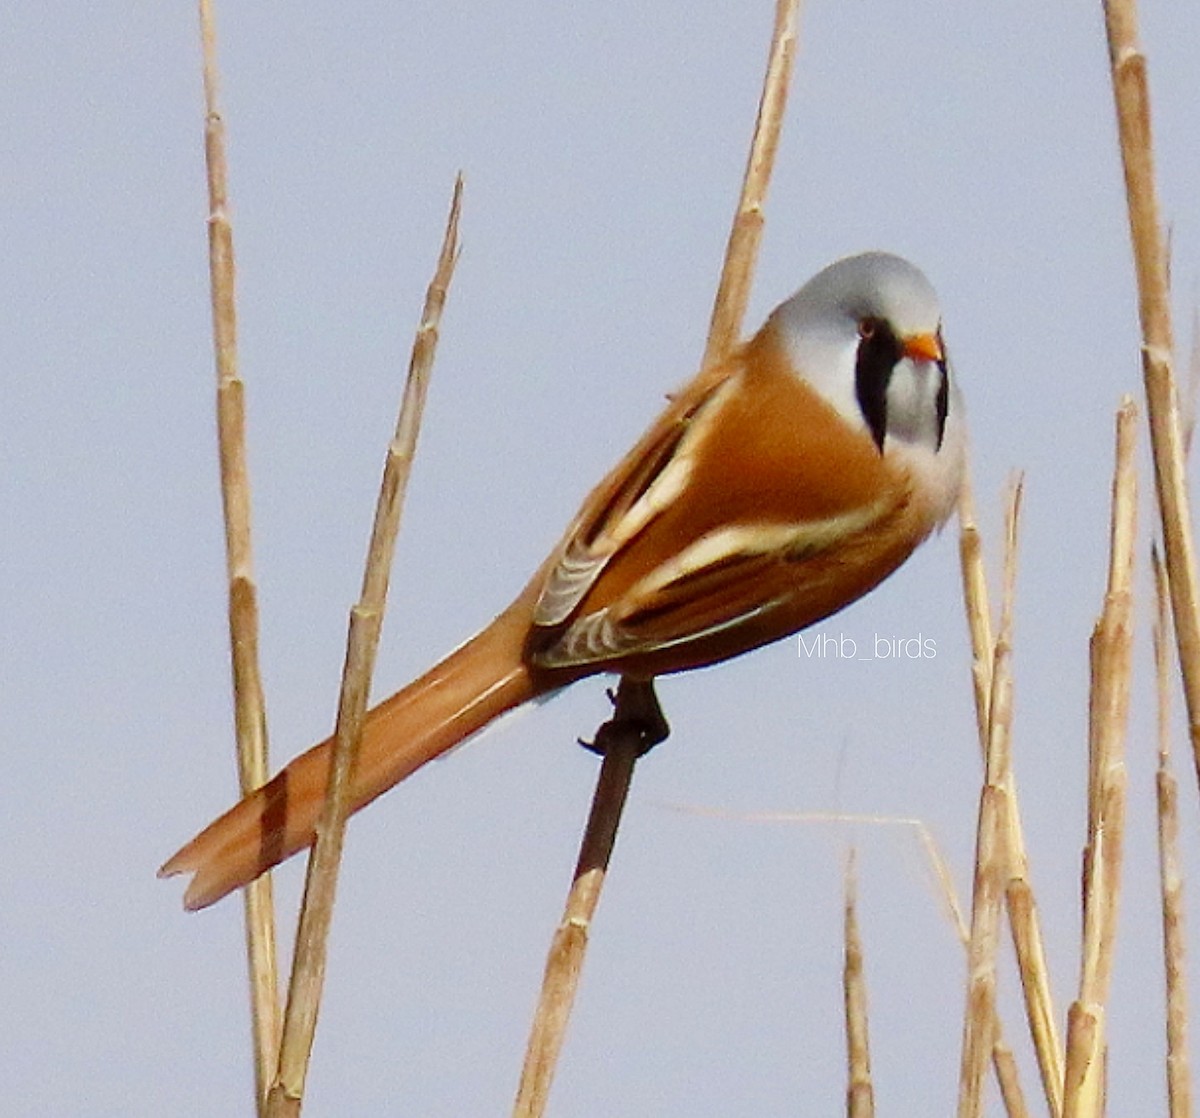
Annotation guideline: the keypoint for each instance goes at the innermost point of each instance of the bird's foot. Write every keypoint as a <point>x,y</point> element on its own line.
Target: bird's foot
<point>637,716</point>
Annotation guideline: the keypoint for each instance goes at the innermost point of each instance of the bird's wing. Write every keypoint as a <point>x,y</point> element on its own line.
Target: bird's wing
<point>724,513</point>
<point>725,581</point>
<point>642,486</point>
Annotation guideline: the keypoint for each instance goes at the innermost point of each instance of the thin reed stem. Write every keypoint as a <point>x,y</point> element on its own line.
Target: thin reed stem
<point>992,848</point>
<point>366,618</point>
<point>1009,1079</point>
<point>1004,1066</point>
<point>636,722</point>
<point>250,719</point>
<point>1020,902</point>
<point>1170,874</point>
<point>745,235</point>
<point>1111,658</point>
<point>1131,93</point>
<point>860,1094</point>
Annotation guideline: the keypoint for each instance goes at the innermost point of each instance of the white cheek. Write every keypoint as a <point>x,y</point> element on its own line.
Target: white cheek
<point>936,469</point>
<point>826,361</point>
<point>912,403</point>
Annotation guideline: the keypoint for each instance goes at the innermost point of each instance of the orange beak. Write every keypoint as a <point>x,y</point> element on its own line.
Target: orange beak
<point>923,347</point>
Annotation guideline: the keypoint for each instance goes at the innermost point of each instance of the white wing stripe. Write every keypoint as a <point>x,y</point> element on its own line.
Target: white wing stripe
<point>567,583</point>
<point>753,539</point>
<point>602,636</point>
<point>579,567</point>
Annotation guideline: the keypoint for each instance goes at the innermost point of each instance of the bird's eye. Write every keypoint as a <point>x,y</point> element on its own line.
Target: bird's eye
<point>867,328</point>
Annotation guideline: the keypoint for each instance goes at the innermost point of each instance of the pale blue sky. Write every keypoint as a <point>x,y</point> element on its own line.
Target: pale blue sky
<point>602,146</point>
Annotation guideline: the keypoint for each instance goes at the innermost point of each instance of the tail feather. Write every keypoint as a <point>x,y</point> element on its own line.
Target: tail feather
<point>456,698</point>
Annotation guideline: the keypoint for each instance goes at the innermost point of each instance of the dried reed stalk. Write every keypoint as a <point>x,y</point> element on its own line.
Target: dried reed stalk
<point>992,848</point>
<point>366,618</point>
<point>1131,92</point>
<point>1111,657</point>
<point>977,608</point>
<point>741,253</point>
<point>564,963</point>
<point>860,1094</point>
<point>1009,1079</point>
<point>1019,897</point>
<point>925,840</point>
<point>250,717</point>
<point>1004,1065</point>
<point>1187,405</point>
<point>624,741</point>
<point>1179,1085</point>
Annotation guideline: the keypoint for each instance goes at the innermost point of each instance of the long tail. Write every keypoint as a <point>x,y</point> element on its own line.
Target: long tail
<point>454,699</point>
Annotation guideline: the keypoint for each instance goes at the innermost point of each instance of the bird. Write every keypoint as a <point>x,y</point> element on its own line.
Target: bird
<point>778,486</point>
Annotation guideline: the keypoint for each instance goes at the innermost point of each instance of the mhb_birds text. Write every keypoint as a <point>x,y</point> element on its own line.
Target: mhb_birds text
<point>824,646</point>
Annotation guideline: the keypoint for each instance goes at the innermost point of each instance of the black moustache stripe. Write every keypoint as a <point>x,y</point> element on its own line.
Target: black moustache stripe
<point>878,352</point>
<point>943,400</point>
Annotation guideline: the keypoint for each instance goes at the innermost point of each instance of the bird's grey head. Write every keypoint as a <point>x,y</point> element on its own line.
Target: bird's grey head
<point>866,333</point>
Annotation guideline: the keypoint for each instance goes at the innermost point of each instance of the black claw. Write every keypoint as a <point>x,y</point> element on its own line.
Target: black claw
<point>636,712</point>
